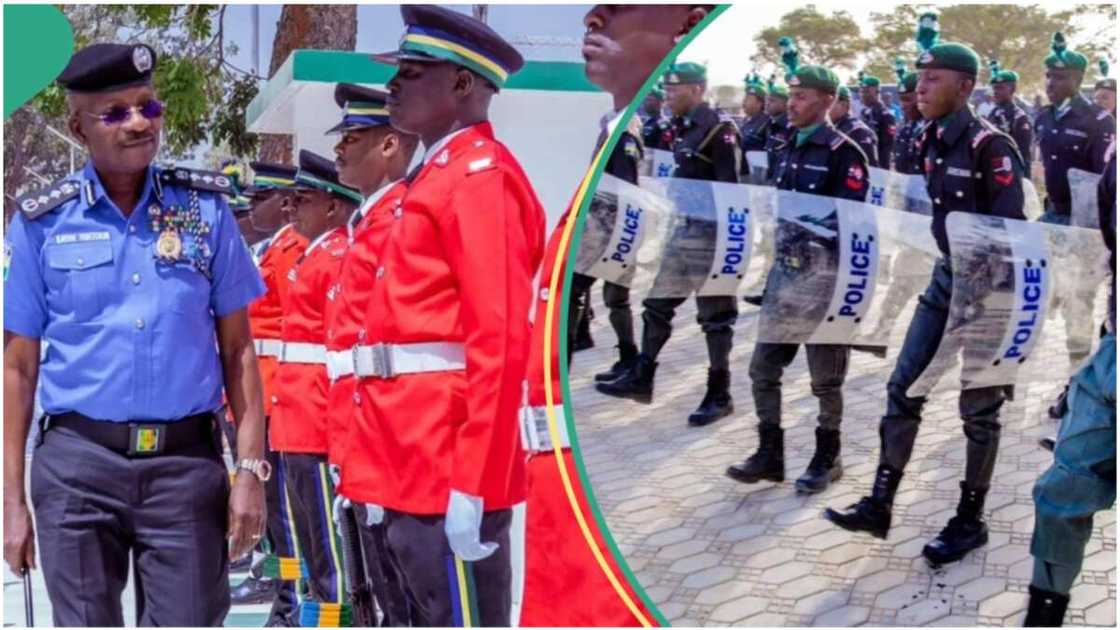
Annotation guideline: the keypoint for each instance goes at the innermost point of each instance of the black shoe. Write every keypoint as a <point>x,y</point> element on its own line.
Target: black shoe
<point>964,532</point>
<point>1047,443</point>
<point>768,463</point>
<point>1046,609</point>
<point>636,384</point>
<point>872,514</point>
<point>717,402</point>
<point>242,564</point>
<point>627,354</point>
<point>825,467</point>
<point>756,300</point>
<point>253,591</point>
<point>1060,406</point>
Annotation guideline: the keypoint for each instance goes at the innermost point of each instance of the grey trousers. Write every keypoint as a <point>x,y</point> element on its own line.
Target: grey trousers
<point>95,508</point>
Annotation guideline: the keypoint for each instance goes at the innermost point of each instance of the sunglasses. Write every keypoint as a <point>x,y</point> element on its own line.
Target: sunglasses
<point>118,114</point>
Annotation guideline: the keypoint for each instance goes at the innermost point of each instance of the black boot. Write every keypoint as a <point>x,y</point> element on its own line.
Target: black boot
<point>825,467</point>
<point>627,353</point>
<point>1046,609</point>
<point>635,384</point>
<point>872,514</point>
<point>754,299</point>
<point>966,531</point>
<point>717,401</point>
<point>767,463</point>
<point>253,590</point>
<point>583,340</point>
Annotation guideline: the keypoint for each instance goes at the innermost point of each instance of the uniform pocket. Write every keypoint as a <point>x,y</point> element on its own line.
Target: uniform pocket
<point>83,271</point>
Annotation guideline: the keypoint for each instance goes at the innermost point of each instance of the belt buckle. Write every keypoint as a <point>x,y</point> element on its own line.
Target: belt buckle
<point>146,439</point>
<point>382,360</point>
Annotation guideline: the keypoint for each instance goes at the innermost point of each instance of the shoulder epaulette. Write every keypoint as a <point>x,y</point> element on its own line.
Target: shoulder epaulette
<point>840,139</point>
<point>989,132</point>
<point>36,204</point>
<point>212,181</point>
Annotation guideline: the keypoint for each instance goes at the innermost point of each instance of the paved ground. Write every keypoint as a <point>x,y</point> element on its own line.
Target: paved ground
<point>710,551</point>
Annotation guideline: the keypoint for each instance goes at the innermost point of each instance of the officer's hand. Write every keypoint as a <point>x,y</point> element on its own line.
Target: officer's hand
<point>19,537</point>
<point>463,526</point>
<point>246,513</point>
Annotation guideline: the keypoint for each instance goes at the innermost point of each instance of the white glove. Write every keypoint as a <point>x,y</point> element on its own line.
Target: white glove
<point>463,526</point>
<point>375,514</point>
<point>336,474</point>
<point>340,503</point>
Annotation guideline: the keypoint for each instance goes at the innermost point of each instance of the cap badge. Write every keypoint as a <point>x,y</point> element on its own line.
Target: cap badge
<point>142,58</point>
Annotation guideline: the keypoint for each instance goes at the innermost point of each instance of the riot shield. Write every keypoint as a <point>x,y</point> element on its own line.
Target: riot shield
<point>900,191</point>
<point>1083,199</point>
<point>620,217</point>
<point>826,285</point>
<point>657,163</point>
<point>758,166</point>
<point>997,332</point>
<point>705,248</point>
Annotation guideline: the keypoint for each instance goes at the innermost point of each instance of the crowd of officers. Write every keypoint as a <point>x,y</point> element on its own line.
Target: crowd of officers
<point>813,144</point>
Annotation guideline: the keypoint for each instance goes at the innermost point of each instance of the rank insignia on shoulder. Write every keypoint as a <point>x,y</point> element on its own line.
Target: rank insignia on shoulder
<point>480,164</point>
<point>980,137</point>
<point>837,142</point>
<point>36,204</point>
<point>199,180</point>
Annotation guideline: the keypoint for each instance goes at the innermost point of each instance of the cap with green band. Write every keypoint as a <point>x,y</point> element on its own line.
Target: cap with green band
<point>317,172</point>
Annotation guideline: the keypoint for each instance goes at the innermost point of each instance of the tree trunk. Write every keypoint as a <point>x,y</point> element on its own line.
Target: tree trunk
<point>326,27</point>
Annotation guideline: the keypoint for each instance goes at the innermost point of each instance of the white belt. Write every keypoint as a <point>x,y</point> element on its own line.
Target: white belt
<point>303,353</point>
<point>388,360</point>
<point>268,347</point>
<point>534,429</point>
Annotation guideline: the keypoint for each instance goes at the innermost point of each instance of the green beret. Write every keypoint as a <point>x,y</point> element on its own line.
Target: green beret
<point>774,89</point>
<point>1004,76</point>
<point>816,77</point>
<point>869,81</point>
<point>754,85</point>
<point>909,83</point>
<point>687,72</point>
<point>950,56</point>
<point>1062,58</point>
<point>844,94</point>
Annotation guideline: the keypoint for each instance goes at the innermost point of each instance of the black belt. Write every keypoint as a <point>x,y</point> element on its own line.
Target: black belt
<point>138,439</point>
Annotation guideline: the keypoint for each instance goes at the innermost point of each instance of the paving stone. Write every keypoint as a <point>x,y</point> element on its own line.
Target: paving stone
<point>845,616</point>
<point>682,549</point>
<point>709,577</point>
<point>739,609</point>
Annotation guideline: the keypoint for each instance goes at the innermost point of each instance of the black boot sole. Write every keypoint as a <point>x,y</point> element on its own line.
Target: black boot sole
<point>640,397</point>
<point>936,559</point>
<point>698,420</point>
<point>839,520</point>
<point>607,377</point>
<point>834,474</point>
<point>744,478</point>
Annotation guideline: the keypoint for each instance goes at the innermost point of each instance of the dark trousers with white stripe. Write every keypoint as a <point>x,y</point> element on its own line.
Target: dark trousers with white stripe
<point>444,591</point>
<point>281,537</point>
<point>310,494</point>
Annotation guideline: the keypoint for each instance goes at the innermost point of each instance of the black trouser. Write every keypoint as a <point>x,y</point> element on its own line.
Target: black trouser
<point>94,508</point>
<point>281,536</point>
<point>615,296</point>
<point>978,407</point>
<point>430,572</point>
<point>311,495</point>
<point>387,587</point>
<point>715,314</point>
<point>828,367</point>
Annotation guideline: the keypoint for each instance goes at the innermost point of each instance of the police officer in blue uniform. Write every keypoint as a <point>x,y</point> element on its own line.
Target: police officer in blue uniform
<point>1007,115</point>
<point>819,160</point>
<point>877,117</point>
<point>706,147</point>
<point>139,279</point>
<point>854,128</point>
<point>780,131</point>
<point>970,167</point>
<point>1082,479</point>
<point>907,147</point>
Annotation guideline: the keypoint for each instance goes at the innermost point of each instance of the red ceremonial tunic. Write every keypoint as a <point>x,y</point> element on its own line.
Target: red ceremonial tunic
<point>299,416</point>
<point>346,306</point>
<point>457,267</point>
<point>266,313</point>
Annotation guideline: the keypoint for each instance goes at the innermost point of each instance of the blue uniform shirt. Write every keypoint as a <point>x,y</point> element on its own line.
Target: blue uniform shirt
<point>132,336</point>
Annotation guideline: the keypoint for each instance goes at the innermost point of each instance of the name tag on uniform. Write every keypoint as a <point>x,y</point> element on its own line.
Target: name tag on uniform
<point>958,172</point>
<point>1077,132</point>
<point>80,237</point>
<point>814,167</point>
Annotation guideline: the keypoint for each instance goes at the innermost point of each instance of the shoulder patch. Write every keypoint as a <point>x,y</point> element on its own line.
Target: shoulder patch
<point>979,138</point>
<point>480,164</point>
<point>199,180</point>
<point>35,204</point>
<point>836,143</point>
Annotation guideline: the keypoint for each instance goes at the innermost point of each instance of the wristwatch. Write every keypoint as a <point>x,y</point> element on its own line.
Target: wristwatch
<point>259,467</point>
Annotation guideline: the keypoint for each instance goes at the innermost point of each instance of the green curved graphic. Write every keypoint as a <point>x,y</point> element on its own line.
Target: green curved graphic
<point>565,303</point>
<point>38,42</point>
